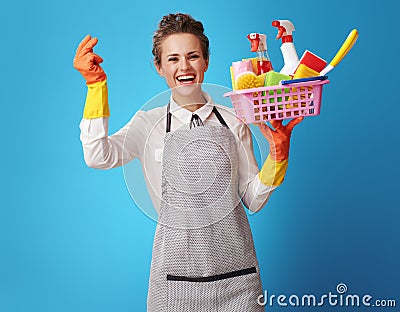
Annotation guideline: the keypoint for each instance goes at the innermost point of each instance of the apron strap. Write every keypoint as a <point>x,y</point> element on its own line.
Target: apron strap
<point>215,111</point>
<point>168,129</point>
<point>221,120</point>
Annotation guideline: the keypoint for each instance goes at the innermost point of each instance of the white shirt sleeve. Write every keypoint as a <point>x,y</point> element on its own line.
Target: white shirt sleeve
<point>253,192</point>
<point>103,151</point>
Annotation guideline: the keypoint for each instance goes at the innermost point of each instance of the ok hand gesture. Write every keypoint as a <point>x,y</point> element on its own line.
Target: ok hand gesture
<point>87,62</point>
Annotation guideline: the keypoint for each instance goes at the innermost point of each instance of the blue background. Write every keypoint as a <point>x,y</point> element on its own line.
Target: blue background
<point>71,238</point>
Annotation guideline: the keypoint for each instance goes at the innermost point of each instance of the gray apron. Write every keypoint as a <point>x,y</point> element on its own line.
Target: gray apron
<point>203,252</point>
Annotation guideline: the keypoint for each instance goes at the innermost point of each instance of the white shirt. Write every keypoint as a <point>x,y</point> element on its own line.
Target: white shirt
<point>143,138</point>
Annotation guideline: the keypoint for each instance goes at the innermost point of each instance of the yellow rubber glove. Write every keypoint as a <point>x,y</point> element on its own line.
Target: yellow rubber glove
<point>274,168</point>
<point>87,63</point>
<point>273,172</point>
<point>96,101</point>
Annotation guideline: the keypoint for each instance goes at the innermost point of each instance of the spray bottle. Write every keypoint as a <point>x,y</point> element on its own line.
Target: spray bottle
<point>290,58</point>
<point>259,45</point>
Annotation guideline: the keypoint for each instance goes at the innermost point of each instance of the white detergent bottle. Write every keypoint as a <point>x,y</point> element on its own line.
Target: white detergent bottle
<point>289,53</point>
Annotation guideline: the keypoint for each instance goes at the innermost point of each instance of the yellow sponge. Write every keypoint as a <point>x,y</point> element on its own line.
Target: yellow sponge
<point>303,71</point>
<point>232,78</point>
<point>261,80</point>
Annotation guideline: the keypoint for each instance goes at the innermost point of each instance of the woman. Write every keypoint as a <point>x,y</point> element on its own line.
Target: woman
<point>199,168</point>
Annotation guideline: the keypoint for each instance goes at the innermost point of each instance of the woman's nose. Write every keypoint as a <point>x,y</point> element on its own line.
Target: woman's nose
<point>185,64</point>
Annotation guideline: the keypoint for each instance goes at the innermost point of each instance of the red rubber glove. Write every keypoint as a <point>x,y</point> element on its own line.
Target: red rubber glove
<point>279,139</point>
<point>87,62</point>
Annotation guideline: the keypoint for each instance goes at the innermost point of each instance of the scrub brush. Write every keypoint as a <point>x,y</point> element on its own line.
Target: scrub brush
<point>249,80</point>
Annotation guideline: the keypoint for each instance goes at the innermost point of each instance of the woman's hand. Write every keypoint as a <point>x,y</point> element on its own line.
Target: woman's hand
<point>87,62</point>
<point>279,139</point>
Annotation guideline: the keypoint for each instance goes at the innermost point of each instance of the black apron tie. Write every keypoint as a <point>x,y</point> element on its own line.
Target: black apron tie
<point>195,121</point>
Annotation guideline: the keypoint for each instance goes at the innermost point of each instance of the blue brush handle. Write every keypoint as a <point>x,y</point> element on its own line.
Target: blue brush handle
<point>285,82</point>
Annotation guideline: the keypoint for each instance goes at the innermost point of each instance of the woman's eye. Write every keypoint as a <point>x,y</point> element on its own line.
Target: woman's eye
<point>173,59</point>
<point>194,56</point>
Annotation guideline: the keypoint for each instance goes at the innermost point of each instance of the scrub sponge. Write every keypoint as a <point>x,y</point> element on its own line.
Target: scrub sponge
<point>272,79</point>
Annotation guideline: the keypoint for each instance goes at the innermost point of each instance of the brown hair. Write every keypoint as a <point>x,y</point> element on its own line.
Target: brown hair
<point>178,23</point>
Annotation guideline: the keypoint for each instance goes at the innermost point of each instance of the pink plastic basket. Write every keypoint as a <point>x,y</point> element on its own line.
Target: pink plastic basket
<point>277,102</point>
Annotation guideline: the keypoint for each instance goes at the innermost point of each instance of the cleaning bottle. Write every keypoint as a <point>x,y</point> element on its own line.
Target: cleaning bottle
<point>290,57</point>
<point>259,45</point>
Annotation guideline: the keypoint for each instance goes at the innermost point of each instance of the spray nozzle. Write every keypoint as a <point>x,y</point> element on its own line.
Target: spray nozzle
<point>258,42</point>
<point>285,29</point>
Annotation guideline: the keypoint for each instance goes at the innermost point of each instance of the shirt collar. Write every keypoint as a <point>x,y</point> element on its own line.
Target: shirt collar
<point>185,115</point>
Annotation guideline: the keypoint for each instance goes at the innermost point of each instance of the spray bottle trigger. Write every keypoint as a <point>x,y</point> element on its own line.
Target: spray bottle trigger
<point>281,31</point>
<point>254,39</point>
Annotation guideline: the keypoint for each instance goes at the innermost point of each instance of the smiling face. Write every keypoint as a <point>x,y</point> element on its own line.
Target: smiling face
<point>182,65</point>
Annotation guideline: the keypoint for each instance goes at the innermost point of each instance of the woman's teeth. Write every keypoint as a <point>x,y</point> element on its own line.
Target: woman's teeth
<point>185,78</point>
